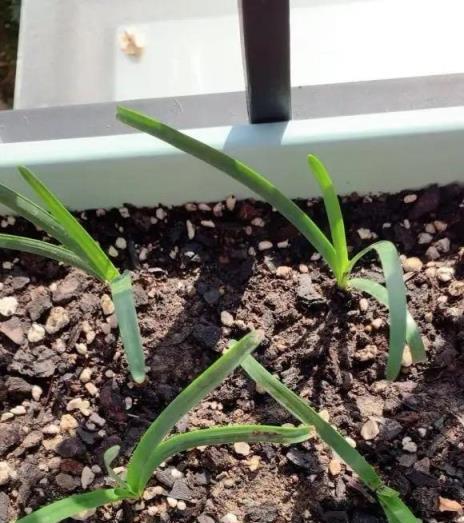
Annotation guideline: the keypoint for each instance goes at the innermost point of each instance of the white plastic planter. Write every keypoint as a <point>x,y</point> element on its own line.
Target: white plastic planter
<point>365,153</point>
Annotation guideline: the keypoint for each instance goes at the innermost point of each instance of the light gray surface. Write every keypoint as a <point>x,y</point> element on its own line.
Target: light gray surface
<point>230,108</point>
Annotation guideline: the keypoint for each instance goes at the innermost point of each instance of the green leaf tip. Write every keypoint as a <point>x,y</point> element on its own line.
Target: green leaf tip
<point>124,305</point>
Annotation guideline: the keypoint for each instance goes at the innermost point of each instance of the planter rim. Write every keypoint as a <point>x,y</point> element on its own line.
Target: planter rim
<point>330,129</point>
<point>387,152</point>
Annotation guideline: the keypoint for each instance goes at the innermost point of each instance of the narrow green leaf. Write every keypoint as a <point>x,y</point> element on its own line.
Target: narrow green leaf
<point>36,215</point>
<point>48,250</point>
<point>124,304</point>
<point>224,435</point>
<point>334,214</point>
<point>307,415</point>
<point>379,292</point>
<point>141,464</point>
<point>239,172</point>
<point>108,457</point>
<point>397,306</point>
<point>72,505</point>
<point>88,247</point>
<point>389,499</point>
<point>395,510</point>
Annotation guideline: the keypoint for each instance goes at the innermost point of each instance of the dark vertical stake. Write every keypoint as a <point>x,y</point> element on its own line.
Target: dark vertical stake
<point>265,31</point>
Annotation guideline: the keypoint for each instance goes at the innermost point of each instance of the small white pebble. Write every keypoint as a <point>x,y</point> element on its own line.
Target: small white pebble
<point>86,375</point>
<point>410,198</point>
<point>160,213</point>
<point>20,410</point>
<point>283,271</point>
<point>443,245</point>
<point>440,226</point>
<point>79,404</point>
<point>7,265</point>
<point>257,222</point>
<point>113,252</point>
<point>181,505</point>
<point>227,319</point>
<point>190,229</point>
<point>8,306</point>
<point>424,238</point>
<point>81,348</point>
<point>283,245</point>
<point>51,430</point>
<point>229,518</point>
<point>123,211</point>
<point>422,432</point>
<point>171,502</point>
<point>430,228</point>
<point>230,202</point>
<point>68,423</point>
<point>107,305</point>
<point>91,389</point>
<point>121,243</point>
<point>363,304</point>
<point>432,253</point>
<point>445,274</point>
<point>35,333</point>
<point>204,207</point>
<point>366,234</point>
<point>208,223</point>
<point>409,445</point>
<point>242,448</point>
<point>36,392</point>
<point>265,245</point>
<point>87,477</point>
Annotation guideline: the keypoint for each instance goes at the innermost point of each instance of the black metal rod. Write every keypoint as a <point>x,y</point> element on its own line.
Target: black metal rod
<point>265,32</point>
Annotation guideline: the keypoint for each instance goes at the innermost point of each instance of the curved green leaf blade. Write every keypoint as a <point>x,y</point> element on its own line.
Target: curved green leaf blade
<point>397,307</point>
<point>108,457</point>
<point>141,464</point>
<point>36,215</point>
<point>395,510</point>
<point>239,172</point>
<point>334,214</point>
<point>226,435</point>
<point>88,247</point>
<point>307,415</point>
<point>413,336</point>
<point>72,505</point>
<point>48,250</point>
<point>388,498</point>
<point>124,304</point>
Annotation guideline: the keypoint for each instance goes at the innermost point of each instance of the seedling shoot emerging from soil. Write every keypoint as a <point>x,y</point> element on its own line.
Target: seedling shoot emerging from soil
<point>334,250</point>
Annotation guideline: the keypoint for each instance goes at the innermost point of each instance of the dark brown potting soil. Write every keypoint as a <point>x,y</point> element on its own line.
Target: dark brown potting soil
<point>66,397</point>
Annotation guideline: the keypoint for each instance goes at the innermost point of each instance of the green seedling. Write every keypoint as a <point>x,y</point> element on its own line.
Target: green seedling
<point>155,447</point>
<point>79,249</point>
<point>394,508</point>
<point>403,328</point>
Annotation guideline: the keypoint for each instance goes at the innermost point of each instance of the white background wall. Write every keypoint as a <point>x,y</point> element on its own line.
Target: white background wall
<point>69,51</point>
